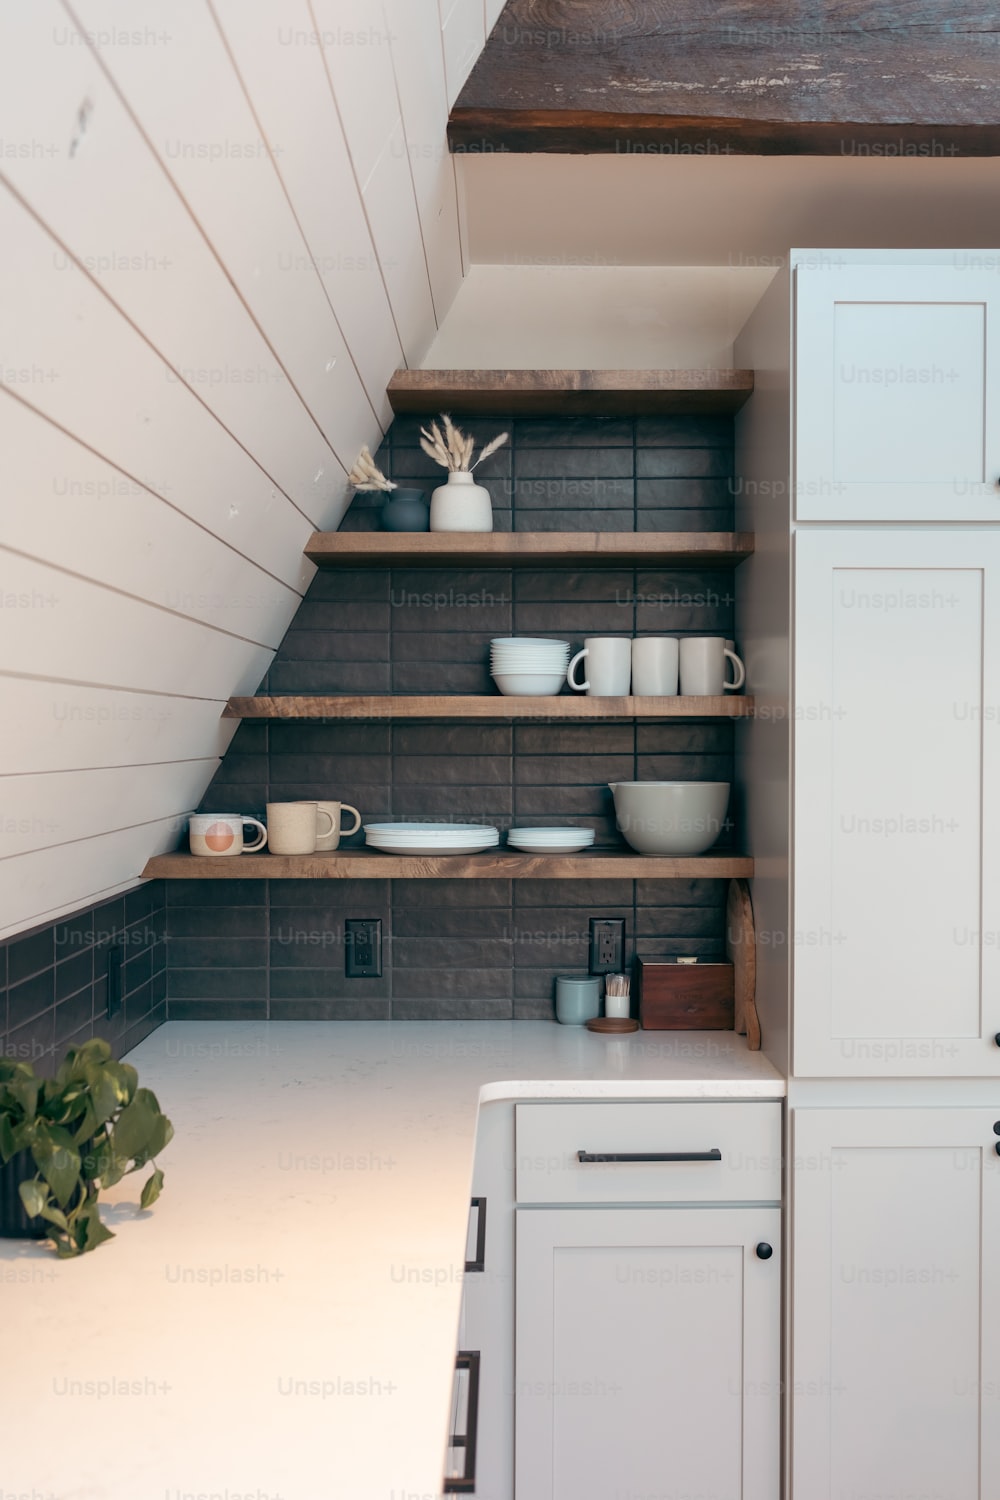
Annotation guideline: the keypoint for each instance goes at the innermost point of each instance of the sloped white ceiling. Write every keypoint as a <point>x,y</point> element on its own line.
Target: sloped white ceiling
<point>223,224</point>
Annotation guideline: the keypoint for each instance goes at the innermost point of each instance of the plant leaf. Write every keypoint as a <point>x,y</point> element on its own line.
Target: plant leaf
<point>57,1159</point>
<point>90,1232</point>
<point>54,1216</point>
<point>34,1195</point>
<point>133,1130</point>
<point>8,1140</point>
<point>151,1189</point>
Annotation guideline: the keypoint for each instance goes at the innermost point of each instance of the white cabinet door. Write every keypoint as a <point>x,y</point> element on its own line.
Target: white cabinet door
<point>895,1304</point>
<point>897,392</point>
<point>647,1353</point>
<point>897,804</point>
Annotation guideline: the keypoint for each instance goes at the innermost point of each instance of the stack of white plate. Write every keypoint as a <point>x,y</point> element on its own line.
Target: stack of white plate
<point>550,840</point>
<point>528,666</point>
<point>431,838</point>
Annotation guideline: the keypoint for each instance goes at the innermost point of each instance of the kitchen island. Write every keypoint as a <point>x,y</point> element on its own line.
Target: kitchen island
<point>283,1324</point>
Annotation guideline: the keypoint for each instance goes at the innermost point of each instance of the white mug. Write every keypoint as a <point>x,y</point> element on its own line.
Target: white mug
<point>292,827</point>
<point>222,833</point>
<point>609,667</point>
<point>654,666</point>
<point>334,810</point>
<point>703,667</point>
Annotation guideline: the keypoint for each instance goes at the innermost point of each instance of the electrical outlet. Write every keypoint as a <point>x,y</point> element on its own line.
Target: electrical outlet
<point>114,981</point>
<point>607,945</point>
<point>363,947</point>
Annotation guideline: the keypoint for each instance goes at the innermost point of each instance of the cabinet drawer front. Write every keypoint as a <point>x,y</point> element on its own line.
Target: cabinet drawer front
<point>712,1153</point>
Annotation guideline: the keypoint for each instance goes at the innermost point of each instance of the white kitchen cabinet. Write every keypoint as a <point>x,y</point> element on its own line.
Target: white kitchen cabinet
<point>647,1346</point>
<point>895,1373</point>
<point>647,1353</point>
<point>897,389</point>
<point>896,803</point>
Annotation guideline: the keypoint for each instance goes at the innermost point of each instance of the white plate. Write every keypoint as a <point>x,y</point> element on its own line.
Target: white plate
<point>537,847</point>
<point>431,828</point>
<point>527,640</point>
<point>480,848</point>
<point>553,834</point>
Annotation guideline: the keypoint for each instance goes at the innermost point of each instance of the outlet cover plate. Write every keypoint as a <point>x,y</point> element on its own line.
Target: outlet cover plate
<point>607,945</point>
<point>363,947</point>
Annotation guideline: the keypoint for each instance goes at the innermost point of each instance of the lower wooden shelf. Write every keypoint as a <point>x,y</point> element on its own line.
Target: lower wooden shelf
<point>462,706</point>
<point>501,864</point>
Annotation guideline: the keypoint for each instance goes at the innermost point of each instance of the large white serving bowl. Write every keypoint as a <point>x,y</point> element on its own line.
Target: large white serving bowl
<point>670,817</point>
<point>529,684</point>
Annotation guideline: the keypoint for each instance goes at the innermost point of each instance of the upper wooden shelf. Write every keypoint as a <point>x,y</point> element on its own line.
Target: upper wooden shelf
<point>857,78</point>
<point>500,864</point>
<point>570,393</point>
<point>706,549</point>
<point>460,706</point>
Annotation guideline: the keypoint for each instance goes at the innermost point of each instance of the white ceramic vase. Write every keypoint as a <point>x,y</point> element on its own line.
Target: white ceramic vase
<point>461,504</point>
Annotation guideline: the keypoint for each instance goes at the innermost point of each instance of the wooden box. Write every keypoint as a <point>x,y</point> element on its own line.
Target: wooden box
<point>685,997</point>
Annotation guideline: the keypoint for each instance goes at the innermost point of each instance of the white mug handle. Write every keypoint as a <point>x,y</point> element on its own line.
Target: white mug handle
<point>346,807</point>
<point>252,848</point>
<point>740,669</point>
<point>580,687</point>
<point>321,812</point>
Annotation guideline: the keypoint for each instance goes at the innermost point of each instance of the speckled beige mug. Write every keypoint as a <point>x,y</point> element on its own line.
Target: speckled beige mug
<point>293,827</point>
<point>335,811</point>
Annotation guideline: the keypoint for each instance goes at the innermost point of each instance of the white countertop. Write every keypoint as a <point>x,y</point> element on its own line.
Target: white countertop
<point>282,1324</point>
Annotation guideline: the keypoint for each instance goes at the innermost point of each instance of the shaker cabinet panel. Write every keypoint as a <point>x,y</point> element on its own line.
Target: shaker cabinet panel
<point>897,392</point>
<point>647,1353</point>
<point>897,804</point>
<point>896,1297</point>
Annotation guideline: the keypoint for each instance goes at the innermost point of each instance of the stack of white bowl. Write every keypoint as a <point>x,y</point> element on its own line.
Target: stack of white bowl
<point>431,838</point>
<point>550,840</point>
<point>529,667</point>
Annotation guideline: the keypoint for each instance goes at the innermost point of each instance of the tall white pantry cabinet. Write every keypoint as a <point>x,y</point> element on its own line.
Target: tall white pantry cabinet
<point>869,461</point>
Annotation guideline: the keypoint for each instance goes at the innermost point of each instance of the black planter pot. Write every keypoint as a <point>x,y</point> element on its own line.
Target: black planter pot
<point>15,1224</point>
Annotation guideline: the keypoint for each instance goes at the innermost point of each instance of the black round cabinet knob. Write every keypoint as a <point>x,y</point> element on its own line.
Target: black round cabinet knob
<point>764,1251</point>
<point>996,1128</point>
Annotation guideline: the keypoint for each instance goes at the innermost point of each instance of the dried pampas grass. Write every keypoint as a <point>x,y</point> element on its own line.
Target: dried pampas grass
<point>366,475</point>
<point>452,449</point>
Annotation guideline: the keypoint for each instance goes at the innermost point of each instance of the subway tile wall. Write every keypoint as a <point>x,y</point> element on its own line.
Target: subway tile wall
<point>53,981</point>
<point>468,949</point>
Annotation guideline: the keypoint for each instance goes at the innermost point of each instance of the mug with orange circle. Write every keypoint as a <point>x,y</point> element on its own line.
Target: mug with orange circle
<point>222,833</point>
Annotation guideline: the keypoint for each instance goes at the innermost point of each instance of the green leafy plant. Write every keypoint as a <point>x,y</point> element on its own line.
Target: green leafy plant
<point>84,1130</point>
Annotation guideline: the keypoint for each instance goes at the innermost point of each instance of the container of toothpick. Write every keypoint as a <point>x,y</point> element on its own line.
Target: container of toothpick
<point>616,996</point>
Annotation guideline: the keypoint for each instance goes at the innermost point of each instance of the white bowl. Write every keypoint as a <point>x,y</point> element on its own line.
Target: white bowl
<point>670,817</point>
<point>529,684</point>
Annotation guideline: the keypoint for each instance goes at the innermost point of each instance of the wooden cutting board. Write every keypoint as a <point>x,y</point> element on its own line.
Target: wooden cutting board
<point>741,949</point>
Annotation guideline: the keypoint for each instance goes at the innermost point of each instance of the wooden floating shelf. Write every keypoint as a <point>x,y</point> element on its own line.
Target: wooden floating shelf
<point>893,80</point>
<point>501,864</point>
<point>438,706</point>
<point>571,393</point>
<point>511,549</point>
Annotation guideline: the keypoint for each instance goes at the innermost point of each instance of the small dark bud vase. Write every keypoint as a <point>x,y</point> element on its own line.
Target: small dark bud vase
<point>405,510</point>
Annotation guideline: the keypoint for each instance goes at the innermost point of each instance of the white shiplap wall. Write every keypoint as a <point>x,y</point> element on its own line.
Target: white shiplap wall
<point>223,224</point>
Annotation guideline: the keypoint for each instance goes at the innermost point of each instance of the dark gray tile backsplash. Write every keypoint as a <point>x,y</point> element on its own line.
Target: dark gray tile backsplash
<point>53,986</point>
<point>470,949</point>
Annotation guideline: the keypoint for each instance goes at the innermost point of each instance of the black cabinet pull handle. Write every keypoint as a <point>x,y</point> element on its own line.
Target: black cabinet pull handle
<point>764,1251</point>
<point>714,1155</point>
<point>996,1128</point>
<point>997,1038</point>
<point>479,1264</point>
<point>465,1484</point>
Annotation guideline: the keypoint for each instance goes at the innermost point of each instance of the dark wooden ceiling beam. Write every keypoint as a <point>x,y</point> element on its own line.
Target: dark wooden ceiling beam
<point>913,78</point>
